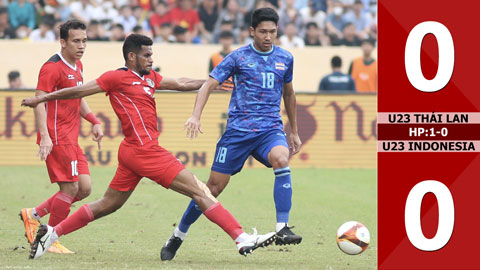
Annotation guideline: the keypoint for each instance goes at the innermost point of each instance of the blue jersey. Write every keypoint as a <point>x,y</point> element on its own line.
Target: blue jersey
<point>258,79</point>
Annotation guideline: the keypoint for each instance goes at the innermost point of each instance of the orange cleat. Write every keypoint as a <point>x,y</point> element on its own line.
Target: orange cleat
<point>31,224</point>
<point>58,248</point>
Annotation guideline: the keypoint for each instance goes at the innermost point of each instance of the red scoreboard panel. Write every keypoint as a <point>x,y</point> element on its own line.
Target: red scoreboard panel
<point>428,134</point>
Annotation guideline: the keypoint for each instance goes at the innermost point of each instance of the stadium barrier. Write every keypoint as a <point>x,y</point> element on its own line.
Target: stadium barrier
<point>175,60</point>
<point>337,131</point>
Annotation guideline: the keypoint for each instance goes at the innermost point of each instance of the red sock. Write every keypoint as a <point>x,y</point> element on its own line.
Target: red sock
<point>59,208</point>
<point>220,216</point>
<point>44,208</point>
<point>77,220</point>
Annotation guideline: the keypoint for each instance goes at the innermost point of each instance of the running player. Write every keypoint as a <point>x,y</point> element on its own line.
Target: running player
<point>58,129</point>
<point>131,91</point>
<point>262,74</point>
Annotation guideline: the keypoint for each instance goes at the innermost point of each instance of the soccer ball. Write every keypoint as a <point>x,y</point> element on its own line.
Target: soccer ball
<point>353,237</point>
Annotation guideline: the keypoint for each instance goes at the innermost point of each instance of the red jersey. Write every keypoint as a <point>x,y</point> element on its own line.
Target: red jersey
<point>187,19</point>
<point>132,99</point>
<point>63,116</point>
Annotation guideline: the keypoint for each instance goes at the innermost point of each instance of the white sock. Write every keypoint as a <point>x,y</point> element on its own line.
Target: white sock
<point>35,215</point>
<point>179,233</point>
<point>54,236</point>
<point>242,237</point>
<point>280,226</point>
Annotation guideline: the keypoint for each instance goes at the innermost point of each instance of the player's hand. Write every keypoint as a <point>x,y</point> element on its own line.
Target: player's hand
<point>31,102</point>
<point>97,135</point>
<point>295,143</point>
<point>45,147</point>
<point>193,127</point>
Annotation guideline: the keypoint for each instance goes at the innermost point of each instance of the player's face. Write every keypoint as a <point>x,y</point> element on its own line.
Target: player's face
<point>264,35</point>
<point>144,60</point>
<point>75,45</point>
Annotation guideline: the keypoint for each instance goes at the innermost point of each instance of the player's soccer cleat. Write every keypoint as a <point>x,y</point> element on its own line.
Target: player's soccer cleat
<point>42,242</point>
<point>58,248</point>
<point>286,237</point>
<point>255,241</point>
<point>31,224</point>
<point>170,248</point>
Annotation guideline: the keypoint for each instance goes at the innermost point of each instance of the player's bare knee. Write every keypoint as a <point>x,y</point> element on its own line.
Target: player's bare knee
<point>279,161</point>
<point>205,192</point>
<point>70,188</point>
<point>83,193</point>
<point>215,189</point>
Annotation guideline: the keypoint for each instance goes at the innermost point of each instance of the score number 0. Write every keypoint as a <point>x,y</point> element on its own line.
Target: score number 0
<point>446,210</point>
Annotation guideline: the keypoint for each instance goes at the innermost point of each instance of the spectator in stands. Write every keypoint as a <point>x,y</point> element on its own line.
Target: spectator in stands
<point>247,20</point>
<point>290,38</point>
<point>225,25</point>
<point>96,32</point>
<point>244,38</point>
<point>14,80</point>
<point>364,69</point>
<point>230,13</point>
<point>337,81</point>
<point>360,19</point>
<point>105,13</point>
<point>82,10</point>
<point>22,32</point>
<point>6,31</point>
<point>335,22</point>
<point>160,17</point>
<point>126,19</point>
<point>180,34</point>
<point>185,16</point>
<point>44,32</point>
<point>226,40</point>
<point>142,20</point>
<point>56,29</point>
<point>165,35</point>
<point>314,11</point>
<point>315,36</point>
<point>349,37</point>
<point>244,6</point>
<point>21,12</point>
<point>117,32</point>
<point>289,14</point>
<point>208,13</point>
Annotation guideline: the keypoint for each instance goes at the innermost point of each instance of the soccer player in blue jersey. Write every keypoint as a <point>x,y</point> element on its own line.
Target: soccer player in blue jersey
<point>262,75</point>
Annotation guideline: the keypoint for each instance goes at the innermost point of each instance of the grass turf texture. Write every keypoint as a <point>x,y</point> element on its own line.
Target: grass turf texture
<point>132,237</point>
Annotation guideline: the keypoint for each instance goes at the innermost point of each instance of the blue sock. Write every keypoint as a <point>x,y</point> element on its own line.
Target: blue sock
<point>191,215</point>
<point>282,193</point>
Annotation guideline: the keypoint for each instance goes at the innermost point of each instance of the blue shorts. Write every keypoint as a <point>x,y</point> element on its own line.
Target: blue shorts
<point>235,146</point>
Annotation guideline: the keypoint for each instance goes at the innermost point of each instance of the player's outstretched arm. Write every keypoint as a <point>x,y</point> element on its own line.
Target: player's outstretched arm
<point>46,144</point>
<point>87,114</point>
<point>180,84</point>
<point>290,102</point>
<point>193,123</point>
<point>87,89</point>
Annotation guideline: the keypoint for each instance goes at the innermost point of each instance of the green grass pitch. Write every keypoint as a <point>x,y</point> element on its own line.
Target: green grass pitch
<point>132,237</point>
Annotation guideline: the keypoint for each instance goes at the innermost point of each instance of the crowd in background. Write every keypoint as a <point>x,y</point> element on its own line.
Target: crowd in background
<point>302,22</point>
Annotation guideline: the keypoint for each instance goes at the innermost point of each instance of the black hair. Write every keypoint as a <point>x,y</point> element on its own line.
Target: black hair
<point>336,61</point>
<point>225,34</point>
<point>262,15</point>
<point>347,25</point>
<point>3,10</point>
<point>310,24</point>
<point>71,24</point>
<point>133,43</point>
<point>178,30</point>
<point>137,29</point>
<point>369,40</point>
<point>117,25</point>
<point>165,25</point>
<point>13,75</point>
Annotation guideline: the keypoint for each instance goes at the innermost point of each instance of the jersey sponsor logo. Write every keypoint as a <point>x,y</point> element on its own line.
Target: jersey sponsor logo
<point>136,83</point>
<point>150,82</point>
<point>71,77</point>
<point>148,91</point>
<point>279,66</point>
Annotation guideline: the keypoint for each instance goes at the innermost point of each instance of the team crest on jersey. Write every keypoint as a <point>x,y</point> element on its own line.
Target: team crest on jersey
<point>151,83</point>
<point>279,66</point>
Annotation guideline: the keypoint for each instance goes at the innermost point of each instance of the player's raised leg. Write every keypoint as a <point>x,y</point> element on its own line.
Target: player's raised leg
<point>282,194</point>
<point>186,183</point>
<point>216,183</point>
<point>111,201</point>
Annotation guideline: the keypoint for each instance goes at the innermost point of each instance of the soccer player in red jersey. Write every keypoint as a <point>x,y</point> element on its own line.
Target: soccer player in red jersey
<point>58,128</point>
<point>131,91</point>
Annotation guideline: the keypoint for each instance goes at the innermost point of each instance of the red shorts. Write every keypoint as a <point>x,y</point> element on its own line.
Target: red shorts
<point>66,162</point>
<point>150,160</point>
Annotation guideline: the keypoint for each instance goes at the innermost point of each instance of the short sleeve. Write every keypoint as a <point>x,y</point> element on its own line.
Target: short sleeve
<point>225,69</point>
<point>289,74</point>
<point>108,81</point>
<point>158,79</point>
<point>48,77</point>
